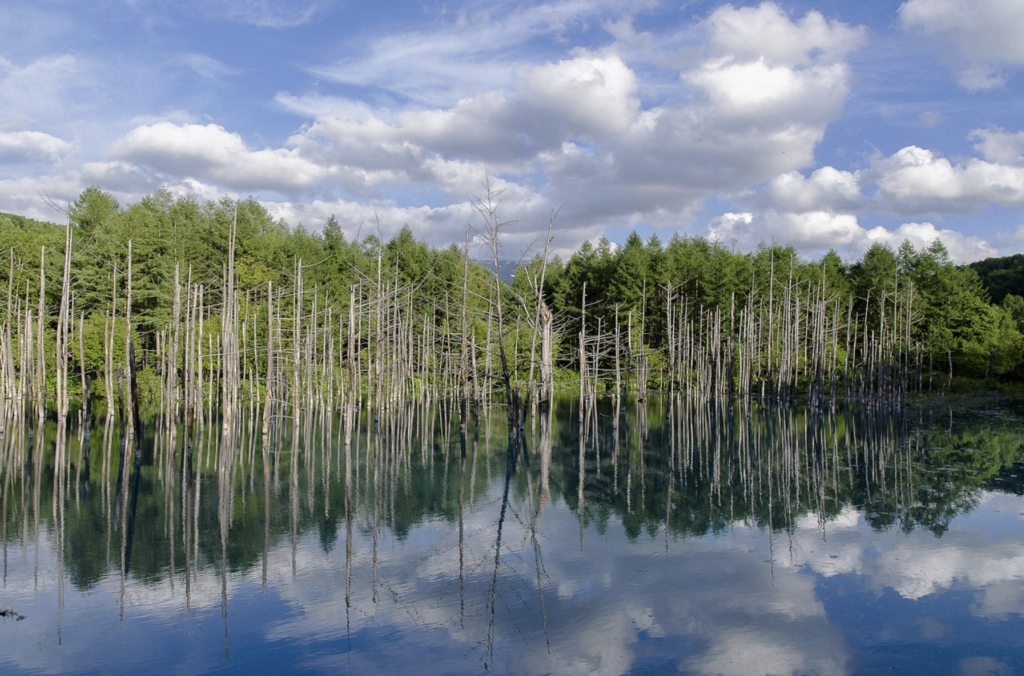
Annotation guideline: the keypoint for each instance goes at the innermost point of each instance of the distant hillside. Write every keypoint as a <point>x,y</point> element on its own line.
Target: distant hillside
<point>1001,276</point>
<point>20,222</point>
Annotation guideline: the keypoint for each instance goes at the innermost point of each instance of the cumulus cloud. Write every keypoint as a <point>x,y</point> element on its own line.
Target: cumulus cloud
<point>588,96</point>
<point>123,178</point>
<point>962,248</point>
<point>985,34</point>
<point>826,188</point>
<point>762,67</point>
<point>766,32</point>
<point>999,146</point>
<point>756,93</point>
<point>916,180</point>
<point>614,135</point>
<point>32,146</point>
<point>749,116</point>
<point>823,210</point>
<point>210,152</point>
<point>577,131</point>
<point>593,95</point>
<point>813,233</point>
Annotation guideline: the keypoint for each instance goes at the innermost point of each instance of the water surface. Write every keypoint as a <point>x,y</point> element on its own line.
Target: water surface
<point>667,537</point>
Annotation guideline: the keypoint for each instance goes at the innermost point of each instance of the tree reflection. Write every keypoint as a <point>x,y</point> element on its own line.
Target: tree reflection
<point>676,466</point>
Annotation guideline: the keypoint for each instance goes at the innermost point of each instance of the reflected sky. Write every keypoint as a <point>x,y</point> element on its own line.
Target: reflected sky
<point>386,557</point>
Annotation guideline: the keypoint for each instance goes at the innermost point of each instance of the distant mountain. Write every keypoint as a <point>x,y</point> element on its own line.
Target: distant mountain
<point>1001,276</point>
<point>506,268</point>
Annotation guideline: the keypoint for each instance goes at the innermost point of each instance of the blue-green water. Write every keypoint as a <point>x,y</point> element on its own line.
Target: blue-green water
<point>685,538</point>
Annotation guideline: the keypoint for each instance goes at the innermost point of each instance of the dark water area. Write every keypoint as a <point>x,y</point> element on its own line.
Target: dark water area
<point>665,537</point>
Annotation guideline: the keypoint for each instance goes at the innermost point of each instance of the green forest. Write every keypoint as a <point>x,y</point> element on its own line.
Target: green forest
<point>218,294</point>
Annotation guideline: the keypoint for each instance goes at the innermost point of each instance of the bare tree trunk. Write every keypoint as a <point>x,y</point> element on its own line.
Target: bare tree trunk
<point>63,329</point>
<point>546,354</point>
<point>539,321</point>
<point>128,331</point>
<point>41,341</point>
<point>583,350</point>
<point>270,393</point>
<point>229,336</point>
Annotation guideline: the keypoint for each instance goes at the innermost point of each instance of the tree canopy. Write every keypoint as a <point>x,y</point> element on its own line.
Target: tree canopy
<point>966,321</point>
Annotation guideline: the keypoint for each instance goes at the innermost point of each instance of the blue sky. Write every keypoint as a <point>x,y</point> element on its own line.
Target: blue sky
<point>821,124</point>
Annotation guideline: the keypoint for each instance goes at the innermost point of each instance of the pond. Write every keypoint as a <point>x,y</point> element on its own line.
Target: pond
<point>669,536</point>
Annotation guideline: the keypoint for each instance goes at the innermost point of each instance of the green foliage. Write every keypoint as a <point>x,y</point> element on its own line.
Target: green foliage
<point>1001,276</point>
<point>951,314</point>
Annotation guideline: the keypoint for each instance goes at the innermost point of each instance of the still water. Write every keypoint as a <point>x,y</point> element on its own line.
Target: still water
<point>667,537</point>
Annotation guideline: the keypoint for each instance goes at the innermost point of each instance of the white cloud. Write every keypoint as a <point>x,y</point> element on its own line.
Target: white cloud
<point>984,34</point>
<point>122,178</point>
<point>756,93</point>
<point>819,211</point>
<point>619,119</point>
<point>32,146</point>
<point>80,98</point>
<point>766,32</point>
<point>579,132</point>
<point>916,180</point>
<point>587,96</point>
<point>813,233</point>
<point>983,666</point>
<point>610,134</point>
<point>741,119</point>
<point>999,146</point>
<point>315,105</point>
<point>594,96</point>
<point>826,188</point>
<point>1012,240</point>
<point>754,105</point>
<point>210,152</point>
<point>962,248</point>
<point>32,196</point>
